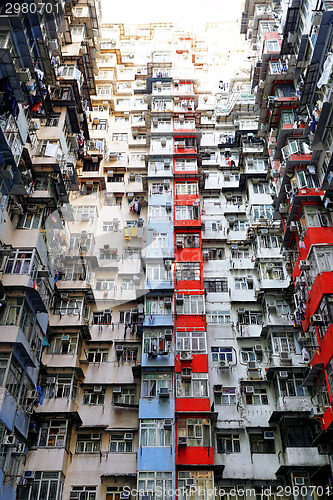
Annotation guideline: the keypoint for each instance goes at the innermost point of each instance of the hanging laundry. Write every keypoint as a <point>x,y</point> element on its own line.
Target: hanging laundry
<point>134,232</point>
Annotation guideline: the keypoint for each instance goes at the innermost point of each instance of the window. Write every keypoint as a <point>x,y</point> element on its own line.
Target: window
<point>29,221</point>
<point>203,482</point>
<point>149,482</point>
<point>98,355</point>
<point>52,434</point>
<point>191,304</point>
<point>128,355</point>
<point>187,271</point>
<point>213,253</point>
<point>132,253</point>
<point>269,241</point>
<point>158,306</point>
<point>228,443</point>
<point>85,492</point>
<point>259,396</point>
<point>186,188</point>
<point>243,284</point>
<point>84,213</point>
<point>258,444</point>
<point>88,443</point>
<point>108,254</point>
<point>216,285</point>
<point>190,240</point>
<point>157,273</point>
<point>219,317</point>
<point>47,486</point>
<point>273,46</point>
<point>191,341</point>
<point>159,188</point>
<point>239,225</point>
<point>110,225</point>
<point>261,188</point>
<point>272,271</point>
<point>128,284</point>
<point>195,430</point>
<point>155,342</point>
<point>248,354</point>
<point>283,343</point>
<point>19,263</point>
<point>292,386</point>
<point>63,344</point>
<point>186,212</point>
<point>63,386</point>
<point>105,284</point>
<point>262,211</point>
<point>101,125</point>
<point>154,433</point>
<point>221,354</point>
<point>250,318</point>
<point>124,395</point>
<point>120,444</point>
<point>119,136</point>
<point>153,382</point>
<point>94,396</point>
<point>160,240</point>
<point>70,306</point>
<point>224,395</point>
<point>195,387</point>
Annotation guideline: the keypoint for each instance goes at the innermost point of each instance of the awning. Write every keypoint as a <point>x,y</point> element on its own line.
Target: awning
<point>313,374</point>
<point>324,122</point>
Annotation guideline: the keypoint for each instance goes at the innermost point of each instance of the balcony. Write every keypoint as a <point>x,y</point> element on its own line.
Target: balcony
<point>12,414</point>
<point>14,335</point>
<point>248,331</point>
<point>302,457</point>
<point>58,405</point>
<point>293,404</point>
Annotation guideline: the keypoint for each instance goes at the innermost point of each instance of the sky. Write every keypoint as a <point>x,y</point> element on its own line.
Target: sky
<point>184,12</point>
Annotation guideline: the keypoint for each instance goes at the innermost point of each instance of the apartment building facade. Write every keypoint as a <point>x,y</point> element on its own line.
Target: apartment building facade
<point>165,272</point>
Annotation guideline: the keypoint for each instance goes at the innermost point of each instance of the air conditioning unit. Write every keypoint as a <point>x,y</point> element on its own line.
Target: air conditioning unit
<point>65,338</point>
<point>98,388</point>
<point>21,448</point>
<point>117,389</point>
<point>241,310</point>
<point>182,441</point>
<point>51,380</point>
<point>232,220</point>
<point>74,495</point>
<point>285,357</point>
<point>168,302</point>
<point>179,242</point>
<point>271,304</point>
<point>249,389</point>
<point>269,435</point>
<point>299,481</point>
<point>283,374</point>
<point>119,348</point>
<point>283,208</point>
<point>293,227</point>
<point>316,319</point>
<point>190,482</point>
<point>24,74</point>
<point>128,436</point>
<point>258,348</point>
<point>95,436</point>
<point>168,207</point>
<point>168,423</point>
<point>224,364</point>
<point>269,266</point>
<point>180,299</point>
<point>249,277</point>
<point>106,247</point>
<point>29,474</point>
<point>168,265</point>
<point>33,395</point>
<point>164,392</point>
<point>227,175</point>
<point>304,265</point>
<point>186,356</point>
<point>10,440</point>
<point>252,365</point>
<point>124,495</point>
<point>168,334</point>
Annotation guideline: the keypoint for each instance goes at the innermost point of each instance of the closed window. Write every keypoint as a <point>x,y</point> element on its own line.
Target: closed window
<point>218,317</point>
<point>153,382</point>
<point>258,396</point>
<point>187,212</point>
<point>216,285</point>
<point>52,434</point>
<point>191,341</point>
<point>155,433</point>
<point>196,386</point>
<point>88,443</point>
<point>258,444</point>
<point>228,443</point>
<point>224,395</point>
<point>191,304</point>
<point>94,396</point>
<point>221,354</point>
<point>121,443</point>
<point>187,271</point>
<point>196,431</point>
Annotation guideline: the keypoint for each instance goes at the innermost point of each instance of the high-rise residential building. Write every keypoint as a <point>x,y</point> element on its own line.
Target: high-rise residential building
<point>165,262</point>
